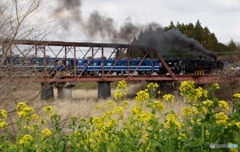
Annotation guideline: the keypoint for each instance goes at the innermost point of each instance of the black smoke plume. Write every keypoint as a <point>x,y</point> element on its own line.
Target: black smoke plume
<point>96,24</point>
<point>99,25</point>
<point>68,11</point>
<point>175,38</point>
<point>165,40</point>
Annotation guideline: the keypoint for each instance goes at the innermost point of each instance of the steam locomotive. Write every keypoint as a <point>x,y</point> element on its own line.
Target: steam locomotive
<point>111,66</point>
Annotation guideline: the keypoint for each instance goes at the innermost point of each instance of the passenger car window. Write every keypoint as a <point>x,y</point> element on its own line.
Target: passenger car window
<point>35,62</point>
<point>109,64</point>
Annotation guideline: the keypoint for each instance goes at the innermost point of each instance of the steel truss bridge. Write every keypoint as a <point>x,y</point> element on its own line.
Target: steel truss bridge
<point>75,50</point>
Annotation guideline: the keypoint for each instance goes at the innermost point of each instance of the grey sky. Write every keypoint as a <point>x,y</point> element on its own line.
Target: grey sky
<point>221,16</point>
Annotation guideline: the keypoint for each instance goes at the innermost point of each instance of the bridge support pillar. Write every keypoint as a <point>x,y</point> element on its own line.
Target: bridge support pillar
<point>169,87</point>
<point>104,90</point>
<point>47,92</point>
<point>64,90</point>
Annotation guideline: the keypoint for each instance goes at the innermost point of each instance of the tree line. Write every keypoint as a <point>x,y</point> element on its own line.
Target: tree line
<point>197,32</point>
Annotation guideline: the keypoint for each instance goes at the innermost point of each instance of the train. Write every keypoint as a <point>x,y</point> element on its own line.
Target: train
<point>148,66</point>
<point>93,66</point>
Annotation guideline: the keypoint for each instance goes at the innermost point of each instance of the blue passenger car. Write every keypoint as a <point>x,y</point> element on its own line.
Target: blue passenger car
<point>12,62</point>
<point>37,64</point>
<point>110,66</point>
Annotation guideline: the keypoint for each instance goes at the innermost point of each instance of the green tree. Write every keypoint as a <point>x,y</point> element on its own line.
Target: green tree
<point>189,31</point>
<point>200,34</point>
<point>171,26</point>
<point>232,45</point>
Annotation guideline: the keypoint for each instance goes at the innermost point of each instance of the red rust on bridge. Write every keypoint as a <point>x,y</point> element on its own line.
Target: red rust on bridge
<point>75,50</point>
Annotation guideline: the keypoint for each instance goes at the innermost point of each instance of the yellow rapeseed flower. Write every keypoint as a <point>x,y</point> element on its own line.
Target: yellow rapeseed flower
<point>48,109</point>
<point>142,96</point>
<point>207,133</point>
<point>186,87</point>
<point>25,140</point>
<point>186,111</point>
<point>181,136</point>
<point>237,124</point>
<point>25,111</point>
<point>152,86</point>
<point>28,109</point>
<point>189,111</point>
<point>47,132</point>
<point>21,105</point>
<point>118,95</point>
<point>29,127</point>
<point>155,136</point>
<point>168,98</point>
<point>236,96</point>
<point>200,92</point>
<point>195,110</point>
<point>110,123</point>
<point>4,113</point>
<point>196,121</point>
<point>233,149</point>
<point>119,110</point>
<point>172,120</point>
<point>108,114</point>
<point>110,104</point>
<point>35,117</point>
<point>221,117</point>
<point>137,110</point>
<point>160,106</point>
<point>223,104</point>
<point>98,122</point>
<point>207,102</point>
<point>145,117</point>
<point>122,84</point>
<point>2,123</point>
<point>21,114</point>
<point>204,110</point>
<point>215,86</point>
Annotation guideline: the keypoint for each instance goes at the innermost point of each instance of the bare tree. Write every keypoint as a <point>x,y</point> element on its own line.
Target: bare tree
<point>19,20</point>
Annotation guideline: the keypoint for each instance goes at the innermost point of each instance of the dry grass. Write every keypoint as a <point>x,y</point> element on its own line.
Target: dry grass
<point>85,101</point>
<point>81,105</point>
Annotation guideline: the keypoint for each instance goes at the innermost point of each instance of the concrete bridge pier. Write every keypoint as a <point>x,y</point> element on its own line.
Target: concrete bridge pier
<point>47,92</point>
<point>169,87</point>
<point>104,90</point>
<point>64,90</point>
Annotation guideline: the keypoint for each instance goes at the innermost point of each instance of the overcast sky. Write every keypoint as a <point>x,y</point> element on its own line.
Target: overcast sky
<point>222,17</point>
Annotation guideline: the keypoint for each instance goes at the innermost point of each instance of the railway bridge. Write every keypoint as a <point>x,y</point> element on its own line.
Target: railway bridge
<point>40,61</point>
